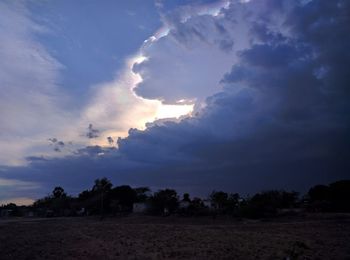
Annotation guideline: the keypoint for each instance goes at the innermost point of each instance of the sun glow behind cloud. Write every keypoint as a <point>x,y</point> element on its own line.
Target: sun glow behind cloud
<point>113,107</point>
<point>21,201</point>
<point>7,184</point>
<point>116,108</point>
<point>173,111</point>
<point>162,110</point>
<point>137,111</point>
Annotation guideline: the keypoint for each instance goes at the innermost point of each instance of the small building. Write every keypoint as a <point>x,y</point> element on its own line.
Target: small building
<point>81,212</point>
<point>184,204</point>
<point>208,204</point>
<point>6,213</point>
<point>140,207</point>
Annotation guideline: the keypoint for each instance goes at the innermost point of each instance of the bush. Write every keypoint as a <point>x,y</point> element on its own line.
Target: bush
<point>164,201</point>
<point>335,197</point>
<point>266,204</point>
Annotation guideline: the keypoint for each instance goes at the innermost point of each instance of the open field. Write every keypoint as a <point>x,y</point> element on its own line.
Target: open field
<point>143,237</point>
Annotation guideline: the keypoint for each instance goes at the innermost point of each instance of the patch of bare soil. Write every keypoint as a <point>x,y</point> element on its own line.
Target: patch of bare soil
<point>176,238</point>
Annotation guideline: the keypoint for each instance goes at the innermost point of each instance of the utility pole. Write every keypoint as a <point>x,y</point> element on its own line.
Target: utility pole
<point>101,209</point>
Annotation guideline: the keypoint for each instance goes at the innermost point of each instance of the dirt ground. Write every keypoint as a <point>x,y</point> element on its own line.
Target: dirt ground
<point>143,237</point>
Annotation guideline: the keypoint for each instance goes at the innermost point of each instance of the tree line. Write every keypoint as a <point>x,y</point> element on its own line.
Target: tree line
<point>105,199</point>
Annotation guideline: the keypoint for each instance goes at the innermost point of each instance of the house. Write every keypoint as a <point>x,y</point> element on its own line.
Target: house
<point>6,213</point>
<point>208,204</point>
<point>184,204</point>
<point>81,212</point>
<point>140,207</point>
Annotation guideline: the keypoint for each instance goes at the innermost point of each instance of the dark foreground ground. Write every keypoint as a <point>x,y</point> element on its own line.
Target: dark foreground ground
<point>309,237</point>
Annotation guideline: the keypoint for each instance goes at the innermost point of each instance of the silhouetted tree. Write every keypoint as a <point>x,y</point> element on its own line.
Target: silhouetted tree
<point>164,200</point>
<point>103,197</point>
<point>142,194</point>
<point>96,200</point>
<point>103,184</point>
<point>335,197</point>
<point>340,195</point>
<point>84,195</point>
<point>319,193</point>
<point>43,203</point>
<point>223,202</point>
<point>58,192</point>
<point>12,209</point>
<point>266,204</point>
<point>186,197</point>
<point>184,205</point>
<point>90,201</point>
<point>197,207</point>
<point>101,188</point>
<point>232,203</point>
<point>58,202</point>
<point>218,200</point>
<point>122,198</point>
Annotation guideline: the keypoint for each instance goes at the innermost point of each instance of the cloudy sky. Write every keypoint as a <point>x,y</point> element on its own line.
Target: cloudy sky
<point>195,95</point>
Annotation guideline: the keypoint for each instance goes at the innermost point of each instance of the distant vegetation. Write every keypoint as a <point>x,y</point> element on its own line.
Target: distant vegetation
<point>104,199</point>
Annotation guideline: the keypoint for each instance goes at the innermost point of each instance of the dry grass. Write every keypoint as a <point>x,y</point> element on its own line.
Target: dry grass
<point>316,237</point>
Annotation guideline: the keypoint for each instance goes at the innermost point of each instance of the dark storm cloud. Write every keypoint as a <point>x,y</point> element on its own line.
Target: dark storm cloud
<point>281,121</point>
<point>75,172</point>
<point>276,111</point>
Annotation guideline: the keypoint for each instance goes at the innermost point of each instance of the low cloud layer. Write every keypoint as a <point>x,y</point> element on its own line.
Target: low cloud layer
<point>276,109</point>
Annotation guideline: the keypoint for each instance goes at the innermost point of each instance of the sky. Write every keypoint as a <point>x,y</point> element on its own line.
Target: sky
<point>195,95</point>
